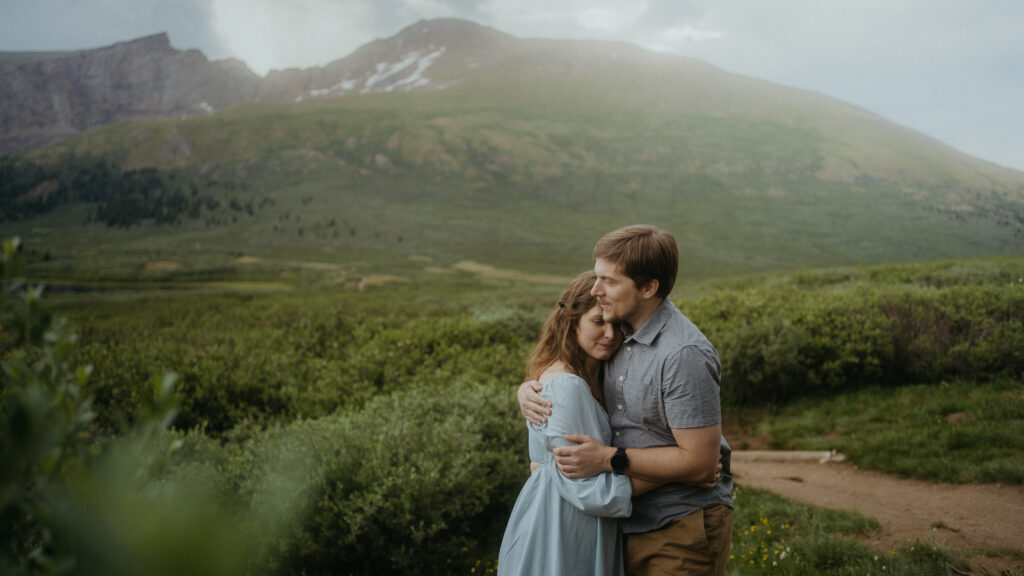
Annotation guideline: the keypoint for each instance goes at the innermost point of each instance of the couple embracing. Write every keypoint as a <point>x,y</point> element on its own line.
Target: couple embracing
<point>629,469</point>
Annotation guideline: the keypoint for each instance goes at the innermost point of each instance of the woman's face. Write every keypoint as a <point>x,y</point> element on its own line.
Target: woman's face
<point>598,338</point>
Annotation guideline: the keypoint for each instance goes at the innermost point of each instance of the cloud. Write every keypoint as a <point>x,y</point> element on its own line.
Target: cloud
<point>271,34</point>
<point>445,8</point>
<point>612,18</point>
<point>49,25</point>
<point>600,19</point>
<point>689,34</point>
<point>670,13</point>
<point>277,34</point>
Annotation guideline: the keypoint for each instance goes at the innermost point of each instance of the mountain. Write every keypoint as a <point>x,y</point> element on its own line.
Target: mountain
<point>429,55</point>
<point>45,97</point>
<point>452,142</point>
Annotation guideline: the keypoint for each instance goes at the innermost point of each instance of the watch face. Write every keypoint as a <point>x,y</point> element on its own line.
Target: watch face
<point>620,461</point>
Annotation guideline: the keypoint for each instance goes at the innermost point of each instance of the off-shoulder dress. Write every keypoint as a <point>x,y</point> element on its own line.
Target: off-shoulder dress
<point>562,526</point>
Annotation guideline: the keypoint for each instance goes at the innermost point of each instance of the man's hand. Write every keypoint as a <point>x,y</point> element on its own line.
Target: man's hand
<point>534,407</point>
<point>588,458</point>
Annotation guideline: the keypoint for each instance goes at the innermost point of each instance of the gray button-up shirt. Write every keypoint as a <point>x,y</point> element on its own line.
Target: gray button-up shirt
<point>666,375</point>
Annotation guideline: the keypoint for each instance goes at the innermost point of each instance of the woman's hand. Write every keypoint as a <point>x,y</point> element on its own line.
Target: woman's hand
<point>718,476</point>
<point>534,407</point>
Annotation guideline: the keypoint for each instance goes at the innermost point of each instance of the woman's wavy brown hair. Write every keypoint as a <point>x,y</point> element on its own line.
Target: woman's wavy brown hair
<point>558,341</point>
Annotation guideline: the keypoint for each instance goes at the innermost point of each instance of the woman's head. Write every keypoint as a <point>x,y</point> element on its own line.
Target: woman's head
<point>574,332</point>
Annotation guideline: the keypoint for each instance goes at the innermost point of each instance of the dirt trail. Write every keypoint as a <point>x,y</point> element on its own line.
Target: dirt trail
<point>973,518</point>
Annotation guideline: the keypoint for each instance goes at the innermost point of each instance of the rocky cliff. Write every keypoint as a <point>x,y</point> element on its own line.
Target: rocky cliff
<point>47,97</point>
<point>43,99</point>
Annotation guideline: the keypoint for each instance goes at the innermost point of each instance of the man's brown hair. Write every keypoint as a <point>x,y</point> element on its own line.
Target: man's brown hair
<point>643,253</point>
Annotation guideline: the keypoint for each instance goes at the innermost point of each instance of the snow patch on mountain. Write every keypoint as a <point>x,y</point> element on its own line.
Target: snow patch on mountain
<point>415,79</point>
<point>406,74</point>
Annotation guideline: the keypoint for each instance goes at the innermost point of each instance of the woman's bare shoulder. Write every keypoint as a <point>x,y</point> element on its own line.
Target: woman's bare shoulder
<point>560,379</point>
<point>555,369</point>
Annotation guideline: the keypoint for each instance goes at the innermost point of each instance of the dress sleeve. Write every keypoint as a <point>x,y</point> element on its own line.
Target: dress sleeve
<point>575,412</point>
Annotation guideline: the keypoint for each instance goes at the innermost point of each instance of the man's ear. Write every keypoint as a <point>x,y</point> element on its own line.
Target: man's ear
<point>650,289</point>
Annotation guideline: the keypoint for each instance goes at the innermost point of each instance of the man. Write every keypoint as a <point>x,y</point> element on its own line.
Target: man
<point>661,390</point>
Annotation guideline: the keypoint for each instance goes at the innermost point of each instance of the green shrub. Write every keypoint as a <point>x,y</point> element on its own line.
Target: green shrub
<point>777,344</point>
<point>279,358</point>
<point>960,332</point>
<point>73,502</point>
<point>416,482</point>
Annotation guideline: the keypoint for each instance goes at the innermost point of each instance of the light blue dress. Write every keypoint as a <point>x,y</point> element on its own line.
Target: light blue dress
<point>563,527</point>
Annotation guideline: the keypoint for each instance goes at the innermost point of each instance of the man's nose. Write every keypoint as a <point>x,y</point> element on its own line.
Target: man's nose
<point>597,289</point>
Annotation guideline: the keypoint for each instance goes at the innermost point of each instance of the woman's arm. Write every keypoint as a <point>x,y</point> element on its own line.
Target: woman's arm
<point>608,494</point>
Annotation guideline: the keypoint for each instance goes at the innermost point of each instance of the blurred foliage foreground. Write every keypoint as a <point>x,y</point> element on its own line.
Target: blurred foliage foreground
<point>72,502</point>
<point>403,483</point>
<point>347,432</point>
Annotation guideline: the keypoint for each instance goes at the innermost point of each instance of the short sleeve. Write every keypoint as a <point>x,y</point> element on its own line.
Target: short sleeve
<point>690,388</point>
<point>576,412</point>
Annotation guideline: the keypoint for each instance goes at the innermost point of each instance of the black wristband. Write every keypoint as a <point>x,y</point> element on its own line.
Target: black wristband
<point>620,461</point>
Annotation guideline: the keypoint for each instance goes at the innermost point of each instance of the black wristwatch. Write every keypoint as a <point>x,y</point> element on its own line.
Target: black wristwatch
<point>620,461</point>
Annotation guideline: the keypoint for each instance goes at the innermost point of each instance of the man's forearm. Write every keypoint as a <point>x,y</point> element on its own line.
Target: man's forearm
<point>670,464</point>
<point>662,464</point>
<point>642,486</point>
<point>694,459</point>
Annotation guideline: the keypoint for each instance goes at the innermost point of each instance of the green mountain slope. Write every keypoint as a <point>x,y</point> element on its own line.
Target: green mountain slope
<point>522,161</point>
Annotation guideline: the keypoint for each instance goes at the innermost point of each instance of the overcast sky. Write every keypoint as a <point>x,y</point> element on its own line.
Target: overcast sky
<point>953,69</point>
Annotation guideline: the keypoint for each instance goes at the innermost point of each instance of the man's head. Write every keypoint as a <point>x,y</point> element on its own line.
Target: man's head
<point>636,269</point>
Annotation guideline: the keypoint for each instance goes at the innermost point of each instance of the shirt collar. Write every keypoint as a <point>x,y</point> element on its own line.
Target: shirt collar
<point>650,330</point>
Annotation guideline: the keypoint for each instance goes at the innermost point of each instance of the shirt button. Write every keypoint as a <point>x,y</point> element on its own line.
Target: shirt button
<point>618,433</point>
<point>620,406</point>
<point>629,348</point>
<point>620,378</point>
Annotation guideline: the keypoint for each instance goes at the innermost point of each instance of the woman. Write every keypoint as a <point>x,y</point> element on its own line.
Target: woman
<point>562,526</point>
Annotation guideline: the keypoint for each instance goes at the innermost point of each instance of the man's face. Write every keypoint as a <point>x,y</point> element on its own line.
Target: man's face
<point>617,294</point>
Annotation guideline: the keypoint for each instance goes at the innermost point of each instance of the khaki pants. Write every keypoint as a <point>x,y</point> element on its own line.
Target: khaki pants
<point>697,544</point>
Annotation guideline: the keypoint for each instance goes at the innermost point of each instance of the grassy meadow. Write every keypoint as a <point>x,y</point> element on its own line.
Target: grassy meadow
<point>319,426</point>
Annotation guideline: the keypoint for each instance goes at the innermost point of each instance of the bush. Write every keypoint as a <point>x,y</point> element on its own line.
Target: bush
<point>279,358</point>
<point>72,502</point>
<point>417,482</point>
<point>777,344</point>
